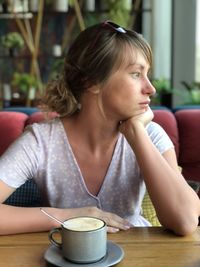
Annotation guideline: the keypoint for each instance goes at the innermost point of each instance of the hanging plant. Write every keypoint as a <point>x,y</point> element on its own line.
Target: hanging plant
<point>13,41</point>
<point>118,12</point>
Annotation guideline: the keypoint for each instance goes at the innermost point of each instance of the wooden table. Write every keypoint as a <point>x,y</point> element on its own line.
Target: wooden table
<point>151,246</point>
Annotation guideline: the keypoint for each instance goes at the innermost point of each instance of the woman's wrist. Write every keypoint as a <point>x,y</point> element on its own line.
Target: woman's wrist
<point>132,130</point>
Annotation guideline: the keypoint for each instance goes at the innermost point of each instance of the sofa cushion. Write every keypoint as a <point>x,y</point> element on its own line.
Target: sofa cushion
<point>189,132</point>
<point>40,116</point>
<point>166,119</point>
<point>11,126</point>
<point>148,211</point>
<point>27,195</point>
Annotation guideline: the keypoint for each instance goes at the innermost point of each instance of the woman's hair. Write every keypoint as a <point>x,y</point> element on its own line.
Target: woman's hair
<point>96,53</point>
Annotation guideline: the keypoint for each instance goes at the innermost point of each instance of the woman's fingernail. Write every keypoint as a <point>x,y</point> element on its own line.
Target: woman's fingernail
<point>115,230</point>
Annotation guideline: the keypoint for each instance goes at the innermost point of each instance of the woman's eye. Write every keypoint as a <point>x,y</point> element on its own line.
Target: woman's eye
<point>136,74</point>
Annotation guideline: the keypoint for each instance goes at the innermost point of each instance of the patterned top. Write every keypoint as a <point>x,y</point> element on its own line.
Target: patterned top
<point>43,153</point>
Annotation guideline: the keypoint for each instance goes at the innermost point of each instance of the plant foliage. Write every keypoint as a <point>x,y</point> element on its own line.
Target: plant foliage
<point>12,40</point>
<point>24,81</point>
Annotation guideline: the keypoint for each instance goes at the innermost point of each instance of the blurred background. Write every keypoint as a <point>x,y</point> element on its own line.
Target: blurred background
<point>36,34</point>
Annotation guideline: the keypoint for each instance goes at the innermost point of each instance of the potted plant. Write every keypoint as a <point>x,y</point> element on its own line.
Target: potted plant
<point>25,86</point>
<point>61,5</point>
<point>13,41</point>
<point>163,92</point>
<point>192,95</point>
<point>90,5</point>
<point>33,5</point>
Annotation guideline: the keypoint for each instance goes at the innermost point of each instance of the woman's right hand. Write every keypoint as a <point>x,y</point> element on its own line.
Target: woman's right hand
<point>128,127</point>
<point>113,221</point>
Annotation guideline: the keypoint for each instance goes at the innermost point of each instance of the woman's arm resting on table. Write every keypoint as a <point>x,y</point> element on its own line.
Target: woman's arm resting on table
<point>176,204</point>
<point>22,220</point>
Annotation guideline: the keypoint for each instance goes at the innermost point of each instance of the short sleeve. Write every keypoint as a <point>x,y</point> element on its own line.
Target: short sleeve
<point>20,161</point>
<point>159,137</point>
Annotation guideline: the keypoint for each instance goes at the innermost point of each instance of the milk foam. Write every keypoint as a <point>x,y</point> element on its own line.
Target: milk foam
<point>83,224</point>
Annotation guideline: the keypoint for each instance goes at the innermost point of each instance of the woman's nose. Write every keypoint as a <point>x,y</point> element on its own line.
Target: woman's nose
<point>149,88</point>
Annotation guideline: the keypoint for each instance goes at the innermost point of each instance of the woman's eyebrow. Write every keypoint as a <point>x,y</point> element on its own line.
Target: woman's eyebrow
<point>136,65</point>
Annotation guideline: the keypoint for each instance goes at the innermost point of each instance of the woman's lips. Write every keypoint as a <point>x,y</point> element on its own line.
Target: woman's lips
<point>146,103</point>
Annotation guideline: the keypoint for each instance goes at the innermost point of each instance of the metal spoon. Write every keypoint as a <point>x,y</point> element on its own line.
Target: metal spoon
<point>52,217</point>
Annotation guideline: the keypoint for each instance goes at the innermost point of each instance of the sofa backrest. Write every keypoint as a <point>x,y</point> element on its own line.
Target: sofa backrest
<point>188,122</point>
<point>11,127</point>
<point>166,119</point>
<point>12,124</point>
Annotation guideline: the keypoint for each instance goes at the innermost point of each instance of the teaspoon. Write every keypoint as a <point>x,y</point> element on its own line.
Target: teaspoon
<point>52,217</point>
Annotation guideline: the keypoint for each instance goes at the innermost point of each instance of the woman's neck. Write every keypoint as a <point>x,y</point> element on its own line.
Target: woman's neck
<point>92,129</point>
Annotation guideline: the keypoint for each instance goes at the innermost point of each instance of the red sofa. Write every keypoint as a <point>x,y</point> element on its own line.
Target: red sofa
<point>184,130</point>
<point>183,127</point>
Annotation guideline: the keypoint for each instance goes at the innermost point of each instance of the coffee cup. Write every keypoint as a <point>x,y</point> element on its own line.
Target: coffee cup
<point>83,239</point>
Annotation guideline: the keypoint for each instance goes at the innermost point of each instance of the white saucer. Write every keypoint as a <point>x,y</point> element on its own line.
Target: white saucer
<point>114,255</point>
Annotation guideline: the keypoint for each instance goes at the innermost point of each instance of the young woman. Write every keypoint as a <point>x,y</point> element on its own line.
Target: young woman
<point>103,151</point>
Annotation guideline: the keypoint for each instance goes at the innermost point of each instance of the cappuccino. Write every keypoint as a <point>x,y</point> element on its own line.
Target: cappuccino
<point>83,239</point>
<point>83,224</point>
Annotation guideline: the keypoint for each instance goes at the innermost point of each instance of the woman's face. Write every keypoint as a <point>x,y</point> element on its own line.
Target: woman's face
<point>127,92</point>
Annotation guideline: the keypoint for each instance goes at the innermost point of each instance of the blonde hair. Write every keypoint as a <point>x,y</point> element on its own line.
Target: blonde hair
<point>94,55</point>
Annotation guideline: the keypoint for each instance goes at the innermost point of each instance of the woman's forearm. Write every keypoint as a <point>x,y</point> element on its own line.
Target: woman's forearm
<point>176,204</point>
<point>23,220</point>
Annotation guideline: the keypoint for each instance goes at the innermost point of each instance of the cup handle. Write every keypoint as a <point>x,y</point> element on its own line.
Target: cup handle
<point>52,240</point>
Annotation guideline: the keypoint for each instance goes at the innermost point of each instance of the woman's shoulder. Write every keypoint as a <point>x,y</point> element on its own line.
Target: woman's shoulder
<point>46,125</point>
<point>44,130</point>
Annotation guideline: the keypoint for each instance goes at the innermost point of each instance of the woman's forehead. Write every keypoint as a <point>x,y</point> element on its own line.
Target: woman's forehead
<point>131,56</point>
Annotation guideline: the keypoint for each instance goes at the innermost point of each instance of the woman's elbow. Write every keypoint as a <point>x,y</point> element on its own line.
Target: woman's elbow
<point>185,226</point>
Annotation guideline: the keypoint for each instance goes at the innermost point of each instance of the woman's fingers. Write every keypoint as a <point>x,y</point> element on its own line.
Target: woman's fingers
<point>112,230</point>
<point>112,220</point>
<point>115,221</point>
